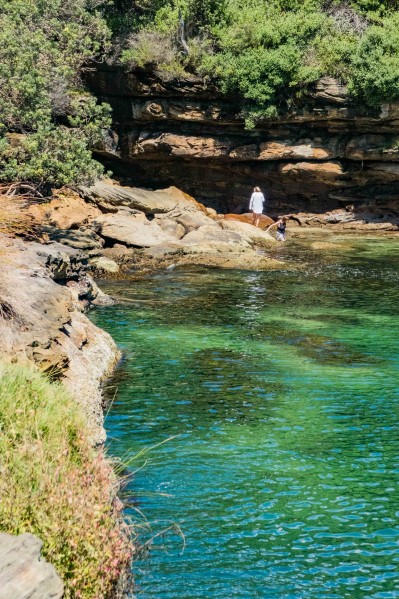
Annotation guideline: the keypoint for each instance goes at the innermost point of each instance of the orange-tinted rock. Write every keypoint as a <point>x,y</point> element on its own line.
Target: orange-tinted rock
<point>321,154</point>
<point>182,197</point>
<point>305,149</point>
<point>323,171</point>
<point>264,222</point>
<point>66,211</point>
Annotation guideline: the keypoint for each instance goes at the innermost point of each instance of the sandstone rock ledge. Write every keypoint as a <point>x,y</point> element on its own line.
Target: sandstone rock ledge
<point>44,291</point>
<point>323,154</point>
<point>157,228</point>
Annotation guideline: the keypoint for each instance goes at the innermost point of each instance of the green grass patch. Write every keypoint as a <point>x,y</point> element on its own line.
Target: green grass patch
<point>55,485</point>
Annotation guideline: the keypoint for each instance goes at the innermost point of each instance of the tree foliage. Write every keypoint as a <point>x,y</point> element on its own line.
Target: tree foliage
<point>268,52</point>
<point>374,77</point>
<point>265,53</point>
<point>43,47</point>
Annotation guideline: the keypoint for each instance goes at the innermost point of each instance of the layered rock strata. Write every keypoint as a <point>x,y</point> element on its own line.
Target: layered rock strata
<point>325,154</point>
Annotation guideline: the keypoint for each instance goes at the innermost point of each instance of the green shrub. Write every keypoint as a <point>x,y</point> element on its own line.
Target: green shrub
<point>267,54</point>
<point>333,52</point>
<point>43,47</point>
<point>374,7</point>
<point>153,49</point>
<point>374,75</point>
<point>262,55</point>
<point>54,485</point>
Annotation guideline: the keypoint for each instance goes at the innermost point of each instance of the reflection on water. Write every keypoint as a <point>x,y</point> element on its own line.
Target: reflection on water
<point>283,389</point>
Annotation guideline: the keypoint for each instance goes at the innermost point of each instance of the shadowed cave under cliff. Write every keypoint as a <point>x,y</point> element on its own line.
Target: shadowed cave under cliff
<point>323,156</point>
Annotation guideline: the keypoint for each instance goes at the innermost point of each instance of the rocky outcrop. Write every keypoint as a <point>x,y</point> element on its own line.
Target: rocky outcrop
<point>179,231</point>
<point>131,229</point>
<point>247,218</point>
<point>44,290</point>
<point>23,573</point>
<point>252,235</point>
<point>67,210</point>
<point>325,154</point>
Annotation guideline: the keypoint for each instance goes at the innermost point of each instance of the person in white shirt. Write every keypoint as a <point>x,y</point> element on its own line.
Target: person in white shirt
<point>256,205</point>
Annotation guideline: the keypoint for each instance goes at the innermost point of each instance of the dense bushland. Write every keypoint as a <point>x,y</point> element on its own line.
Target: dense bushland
<point>267,51</point>
<point>55,485</point>
<point>48,122</point>
<point>264,52</point>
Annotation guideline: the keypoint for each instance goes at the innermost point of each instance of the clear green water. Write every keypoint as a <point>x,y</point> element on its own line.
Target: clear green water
<point>283,389</point>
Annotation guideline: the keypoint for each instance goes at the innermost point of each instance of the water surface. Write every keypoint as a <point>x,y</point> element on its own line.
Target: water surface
<point>282,391</point>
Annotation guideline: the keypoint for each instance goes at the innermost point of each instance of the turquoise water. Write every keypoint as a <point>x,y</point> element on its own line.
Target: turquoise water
<point>281,392</point>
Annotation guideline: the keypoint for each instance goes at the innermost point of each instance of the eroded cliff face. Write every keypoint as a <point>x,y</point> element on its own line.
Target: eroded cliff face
<point>44,291</point>
<point>323,155</point>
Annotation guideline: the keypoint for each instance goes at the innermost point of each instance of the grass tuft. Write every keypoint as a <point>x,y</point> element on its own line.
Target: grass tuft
<point>55,485</point>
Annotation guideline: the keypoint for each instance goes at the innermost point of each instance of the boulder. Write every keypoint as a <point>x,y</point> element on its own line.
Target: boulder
<point>118,253</point>
<point>104,264</point>
<point>171,227</point>
<point>211,212</point>
<point>209,248</point>
<point>163,250</point>
<point>81,239</point>
<point>24,574</point>
<point>194,220</point>
<point>184,200</point>
<point>68,211</point>
<point>132,229</point>
<point>264,222</point>
<point>253,235</point>
<point>110,197</point>
<point>213,234</point>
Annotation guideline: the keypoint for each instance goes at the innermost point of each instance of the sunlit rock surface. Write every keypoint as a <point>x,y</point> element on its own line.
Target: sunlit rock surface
<point>324,154</point>
<point>24,574</point>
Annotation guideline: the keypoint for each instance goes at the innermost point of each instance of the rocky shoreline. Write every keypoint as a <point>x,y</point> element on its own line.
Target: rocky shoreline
<point>114,231</point>
<point>49,254</point>
<point>44,292</point>
<point>46,283</point>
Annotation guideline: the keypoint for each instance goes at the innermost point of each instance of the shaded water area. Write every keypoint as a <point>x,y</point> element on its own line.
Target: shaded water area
<point>283,390</point>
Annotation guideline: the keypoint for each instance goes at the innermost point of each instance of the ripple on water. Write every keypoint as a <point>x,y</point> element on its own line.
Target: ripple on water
<point>281,390</point>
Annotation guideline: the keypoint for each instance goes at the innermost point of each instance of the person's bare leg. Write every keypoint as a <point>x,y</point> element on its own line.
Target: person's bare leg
<point>257,219</point>
<point>253,218</point>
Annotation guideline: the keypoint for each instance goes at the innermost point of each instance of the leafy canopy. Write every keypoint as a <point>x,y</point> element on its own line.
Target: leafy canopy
<point>268,52</point>
<point>47,121</point>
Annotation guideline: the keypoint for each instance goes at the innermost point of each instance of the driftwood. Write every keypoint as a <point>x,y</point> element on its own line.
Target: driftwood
<point>23,192</point>
<point>182,39</point>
